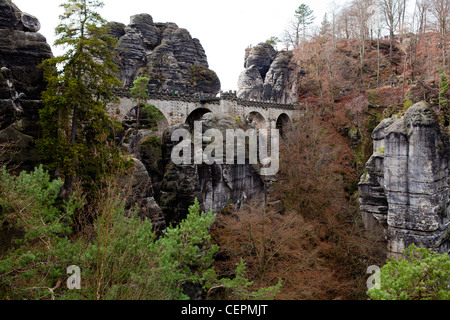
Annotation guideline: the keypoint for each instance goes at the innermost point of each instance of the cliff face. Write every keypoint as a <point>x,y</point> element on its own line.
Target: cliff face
<point>22,49</point>
<point>404,192</point>
<point>165,53</point>
<point>215,186</point>
<point>268,76</point>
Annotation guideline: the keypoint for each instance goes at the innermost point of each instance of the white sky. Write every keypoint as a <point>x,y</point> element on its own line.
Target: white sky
<point>224,28</point>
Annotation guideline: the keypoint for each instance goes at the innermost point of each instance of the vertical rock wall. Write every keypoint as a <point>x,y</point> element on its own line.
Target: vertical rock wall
<point>269,75</point>
<point>215,186</point>
<point>404,192</point>
<point>22,49</point>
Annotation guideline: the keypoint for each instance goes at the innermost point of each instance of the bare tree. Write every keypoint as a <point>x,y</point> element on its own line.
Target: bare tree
<point>440,9</point>
<point>422,9</point>
<point>333,12</point>
<point>390,11</point>
<point>298,26</point>
<point>401,8</point>
<point>358,17</point>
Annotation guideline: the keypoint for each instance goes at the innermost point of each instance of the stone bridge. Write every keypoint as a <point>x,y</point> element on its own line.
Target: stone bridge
<point>179,108</point>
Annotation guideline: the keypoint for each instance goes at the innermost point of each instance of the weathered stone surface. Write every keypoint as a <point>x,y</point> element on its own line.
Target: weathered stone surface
<point>142,195</point>
<point>268,76</point>
<point>10,16</point>
<point>251,84</point>
<point>262,57</point>
<point>277,83</point>
<point>165,53</point>
<point>215,186</point>
<point>116,29</point>
<point>131,55</point>
<point>405,187</point>
<point>31,23</point>
<point>143,24</point>
<point>21,81</point>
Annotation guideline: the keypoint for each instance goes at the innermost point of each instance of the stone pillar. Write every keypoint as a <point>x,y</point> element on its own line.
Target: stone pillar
<point>405,185</point>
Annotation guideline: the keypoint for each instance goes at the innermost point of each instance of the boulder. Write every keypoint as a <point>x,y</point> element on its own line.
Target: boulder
<point>31,23</point>
<point>142,195</point>
<point>143,24</point>
<point>251,84</point>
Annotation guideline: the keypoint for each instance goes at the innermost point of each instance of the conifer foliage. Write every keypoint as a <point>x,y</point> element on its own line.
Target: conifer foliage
<point>75,126</point>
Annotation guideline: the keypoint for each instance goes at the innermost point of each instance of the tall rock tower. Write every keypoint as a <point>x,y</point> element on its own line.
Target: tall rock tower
<point>404,192</point>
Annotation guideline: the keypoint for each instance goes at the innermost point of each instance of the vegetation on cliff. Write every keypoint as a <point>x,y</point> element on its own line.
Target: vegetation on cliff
<point>309,244</point>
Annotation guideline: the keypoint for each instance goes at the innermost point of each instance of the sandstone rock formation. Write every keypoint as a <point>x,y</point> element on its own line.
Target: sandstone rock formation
<point>142,195</point>
<point>404,192</point>
<point>215,186</point>
<point>268,76</point>
<point>165,53</point>
<point>21,82</point>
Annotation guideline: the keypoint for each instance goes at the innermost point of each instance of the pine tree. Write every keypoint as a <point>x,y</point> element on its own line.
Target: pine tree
<point>325,27</point>
<point>74,122</point>
<point>139,95</point>
<point>305,17</point>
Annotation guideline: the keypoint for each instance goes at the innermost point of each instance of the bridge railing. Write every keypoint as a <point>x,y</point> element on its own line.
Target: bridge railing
<point>231,95</point>
<point>205,98</point>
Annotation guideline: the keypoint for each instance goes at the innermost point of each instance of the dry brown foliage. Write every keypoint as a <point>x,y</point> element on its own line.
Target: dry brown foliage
<point>316,244</point>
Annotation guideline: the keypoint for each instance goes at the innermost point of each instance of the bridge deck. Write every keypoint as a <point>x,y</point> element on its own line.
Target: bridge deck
<point>170,96</point>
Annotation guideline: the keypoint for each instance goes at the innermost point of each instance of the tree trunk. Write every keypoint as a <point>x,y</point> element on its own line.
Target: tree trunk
<point>69,179</point>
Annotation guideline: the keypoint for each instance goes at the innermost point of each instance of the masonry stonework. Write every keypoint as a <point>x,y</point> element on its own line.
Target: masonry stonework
<point>177,108</point>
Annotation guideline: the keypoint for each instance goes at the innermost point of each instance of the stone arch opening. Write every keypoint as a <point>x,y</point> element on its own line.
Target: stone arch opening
<point>196,115</point>
<point>257,120</point>
<point>152,118</point>
<point>284,124</point>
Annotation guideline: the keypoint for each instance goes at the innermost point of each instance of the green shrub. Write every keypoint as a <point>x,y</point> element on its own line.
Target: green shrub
<point>420,275</point>
<point>121,257</point>
<point>36,265</point>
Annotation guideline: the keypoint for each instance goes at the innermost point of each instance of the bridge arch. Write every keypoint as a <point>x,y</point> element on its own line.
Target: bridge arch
<point>257,119</point>
<point>196,115</point>
<point>284,124</point>
<point>156,116</point>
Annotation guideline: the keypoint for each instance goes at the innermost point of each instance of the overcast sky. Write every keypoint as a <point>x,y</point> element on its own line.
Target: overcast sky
<point>224,28</point>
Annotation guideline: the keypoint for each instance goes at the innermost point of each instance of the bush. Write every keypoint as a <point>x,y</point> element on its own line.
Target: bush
<point>420,275</point>
<point>121,257</point>
<point>33,269</point>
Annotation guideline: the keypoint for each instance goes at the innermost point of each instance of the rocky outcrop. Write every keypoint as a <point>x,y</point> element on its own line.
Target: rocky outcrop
<point>404,192</point>
<point>268,76</point>
<point>22,49</point>
<point>165,53</point>
<point>142,195</point>
<point>215,186</point>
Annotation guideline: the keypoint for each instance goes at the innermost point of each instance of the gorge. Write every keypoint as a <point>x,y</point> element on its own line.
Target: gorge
<point>373,169</point>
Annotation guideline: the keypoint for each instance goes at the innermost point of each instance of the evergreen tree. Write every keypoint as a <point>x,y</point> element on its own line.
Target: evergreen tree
<point>273,41</point>
<point>139,95</point>
<point>325,27</point>
<point>74,122</point>
<point>305,17</point>
<point>420,275</point>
